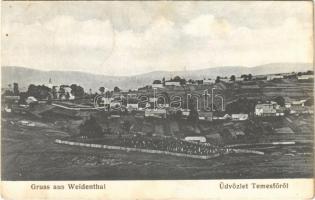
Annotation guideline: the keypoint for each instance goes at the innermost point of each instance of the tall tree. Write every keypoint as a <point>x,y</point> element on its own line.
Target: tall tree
<point>250,76</point>
<point>91,128</point>
<point>309,72</point>
<point>217,80</point>
<point>280,100</point>
<point>182,81</point>
<point>16,89</point>
<point>244,77</point>
<point>116,89</point>
<point>176,78</point>
<point>77,91</point>
<point>54,92</point>
<point>39,91</point>
<point>102,90</point>
<point>61,91</point>
<point>193,114</point>
<point>232,78</point>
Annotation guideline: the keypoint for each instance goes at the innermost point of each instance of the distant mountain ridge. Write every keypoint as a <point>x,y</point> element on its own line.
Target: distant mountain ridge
<point>25,76</point>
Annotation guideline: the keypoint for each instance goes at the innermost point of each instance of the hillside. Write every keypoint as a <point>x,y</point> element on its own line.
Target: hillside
<point>26,76</point>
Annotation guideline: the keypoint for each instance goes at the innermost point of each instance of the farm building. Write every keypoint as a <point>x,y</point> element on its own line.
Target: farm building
<point>298,109</point>
<point>196,138</point>
<point>185,112</point>
<point>159,113</point>
<point>132,106</point>
<point>222,116</point>
<point>157,86</point>
<point>208,82</point>
<point>175,83</point>
<point>274,76</point>
<point>239,79</point>
<point>239,117</point>
<point>207,116</point>
<point>268,109</point>
<point>305,77</point>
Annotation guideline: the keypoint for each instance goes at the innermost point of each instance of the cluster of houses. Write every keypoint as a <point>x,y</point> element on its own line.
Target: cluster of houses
<point>267,109</point>
<point>261,109</point>
<point>271,109</point>
<point>305,77</point>
<point>189,82</point>
<point>162,111</point>
<point>202,115</point>
<point>299,76</point>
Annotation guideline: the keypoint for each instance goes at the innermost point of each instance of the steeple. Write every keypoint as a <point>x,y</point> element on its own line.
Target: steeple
<point>50,85</point>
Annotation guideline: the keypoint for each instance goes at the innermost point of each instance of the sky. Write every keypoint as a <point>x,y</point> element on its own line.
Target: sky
<point>128,38</point>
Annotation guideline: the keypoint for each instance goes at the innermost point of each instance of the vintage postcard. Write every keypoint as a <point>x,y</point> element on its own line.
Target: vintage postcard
<point>157,100</point>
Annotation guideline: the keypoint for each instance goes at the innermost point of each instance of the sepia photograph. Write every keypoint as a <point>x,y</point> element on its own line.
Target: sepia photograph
<point>157,90</point>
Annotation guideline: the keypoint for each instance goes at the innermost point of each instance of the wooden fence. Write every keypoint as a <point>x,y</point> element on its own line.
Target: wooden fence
<point>101,146</point>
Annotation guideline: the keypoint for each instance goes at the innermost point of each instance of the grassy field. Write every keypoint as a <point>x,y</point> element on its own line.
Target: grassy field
<point>29,153</point>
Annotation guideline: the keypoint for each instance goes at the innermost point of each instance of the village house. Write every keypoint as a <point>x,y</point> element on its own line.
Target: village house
<point>199,82</point>
<point>31,99</point>
<point>221,117</point>
<point>162,105</point>
<point>172,83</point>
<point>207,116</point>
<point>68,93</point>
<point>132,95</point>
<point>287,104</point>
<point>260,77</point>
<point>115,104</point>
<point>208,82</point>
<point>305,77</point>
<point>139,115</point>
<point>224,79</point>
<point>201,139</point>
<point>300,103</point>
<point>298,107</point>
<point>239,117</point>
<point>268,109</point>
<point>155,101</point>
<point>302,110</point>
<point>106,101</point>
<point>132,106</point>
<point>274,76</point>
<point>265,110</point>
<point>157,113</point>
<point>185,112</point>
<point>11,99</point>
<point>157,85</point>
<point>238,79</point>
<point>294,102</point>
<point>152,99</point>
